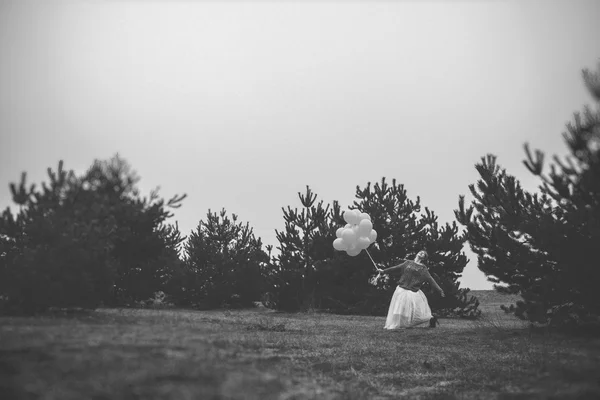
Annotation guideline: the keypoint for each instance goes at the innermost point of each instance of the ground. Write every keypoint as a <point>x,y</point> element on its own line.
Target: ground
<point>259,354</point>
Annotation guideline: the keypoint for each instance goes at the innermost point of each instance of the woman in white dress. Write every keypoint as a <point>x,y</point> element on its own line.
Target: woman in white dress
<point>409,306</point>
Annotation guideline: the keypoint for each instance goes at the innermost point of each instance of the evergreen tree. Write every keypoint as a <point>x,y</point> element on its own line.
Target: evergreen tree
<point>305,242</point>
<point>344,280</point>
<point>224,260</point>
<point>401,233</point>
<point>543,246</point>
<point>54,251</point>
<point>309,268</point>
<point>145,245</point>
<point>304,238</point>
<point>76,241</point>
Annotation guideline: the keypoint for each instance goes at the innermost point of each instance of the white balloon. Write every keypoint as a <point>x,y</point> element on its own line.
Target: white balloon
<point>349,236</point>
<point>364,216</point>
<point>349,216</point>
<point>339,244</point>
<point>353,252</point>
<point>373,235</point>
<point>352,216</point>
<point>364,228</point>
<point>363,242</point>
<point>338,233</point>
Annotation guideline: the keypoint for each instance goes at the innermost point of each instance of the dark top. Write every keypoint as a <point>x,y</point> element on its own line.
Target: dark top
<point>413,276</point>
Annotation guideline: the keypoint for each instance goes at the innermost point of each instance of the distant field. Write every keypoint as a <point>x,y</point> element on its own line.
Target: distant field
<point>259,354</point>
<point>490,300</point>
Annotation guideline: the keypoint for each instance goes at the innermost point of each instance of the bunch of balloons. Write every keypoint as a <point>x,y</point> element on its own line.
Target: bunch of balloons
<point>357,235</point>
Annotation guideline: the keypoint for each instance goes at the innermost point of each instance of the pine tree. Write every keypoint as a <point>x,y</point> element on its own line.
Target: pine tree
<point>403,231</point>
<point>224,259</point>
<point>543,246</point>
<point>145,245</point>
<point>395,217</point>
<point>80,239</point>
<point>54,250</point>
<point>309,268</point>
<point>345,279</point>
<point>305,242</point>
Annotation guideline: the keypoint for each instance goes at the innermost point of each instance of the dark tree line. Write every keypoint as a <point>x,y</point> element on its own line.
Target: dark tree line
<point>91,239</point>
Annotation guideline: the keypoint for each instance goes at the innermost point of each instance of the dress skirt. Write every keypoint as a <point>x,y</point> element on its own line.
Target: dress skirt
<point>407,309</point>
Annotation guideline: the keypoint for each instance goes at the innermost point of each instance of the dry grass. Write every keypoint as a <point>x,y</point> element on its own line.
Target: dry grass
<point>257,354</point>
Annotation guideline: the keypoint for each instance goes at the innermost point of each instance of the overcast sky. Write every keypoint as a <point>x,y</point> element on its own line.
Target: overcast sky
<point>241,104</point>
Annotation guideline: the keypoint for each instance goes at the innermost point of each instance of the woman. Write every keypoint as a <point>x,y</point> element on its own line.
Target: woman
<point>409,305</point>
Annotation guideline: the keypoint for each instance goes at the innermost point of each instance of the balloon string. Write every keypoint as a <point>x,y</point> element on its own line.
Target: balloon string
<point>371,259</point>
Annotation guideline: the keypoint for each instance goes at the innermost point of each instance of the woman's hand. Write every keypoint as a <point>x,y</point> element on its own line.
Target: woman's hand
<point>442,293</point>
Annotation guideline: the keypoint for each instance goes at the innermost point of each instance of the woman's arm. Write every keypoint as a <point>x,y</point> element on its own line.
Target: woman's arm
<point>435,285</point>
<point>395,268</point>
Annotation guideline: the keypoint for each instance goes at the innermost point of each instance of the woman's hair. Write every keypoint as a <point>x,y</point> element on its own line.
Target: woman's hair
<point>422,255</point>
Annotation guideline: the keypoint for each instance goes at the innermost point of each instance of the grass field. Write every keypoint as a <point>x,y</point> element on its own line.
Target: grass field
<point>259,354</point>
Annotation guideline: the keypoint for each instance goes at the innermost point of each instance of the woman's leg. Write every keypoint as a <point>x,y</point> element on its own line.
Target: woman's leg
<point>393,320</point>
<point>422,312</point>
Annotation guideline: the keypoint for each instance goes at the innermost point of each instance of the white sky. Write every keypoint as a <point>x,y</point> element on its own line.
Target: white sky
<point>241,104</point>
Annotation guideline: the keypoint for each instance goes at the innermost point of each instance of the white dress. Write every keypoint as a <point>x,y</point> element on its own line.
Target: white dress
<point>407,309</point>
